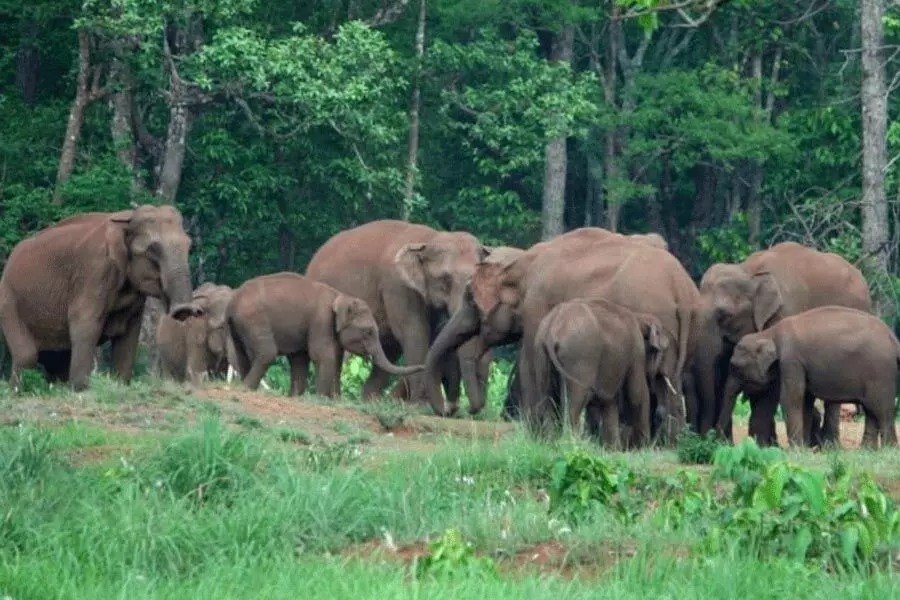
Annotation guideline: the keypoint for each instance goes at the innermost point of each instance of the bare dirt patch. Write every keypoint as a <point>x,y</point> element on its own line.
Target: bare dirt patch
<point>546,558</point>
<point>851,433</point>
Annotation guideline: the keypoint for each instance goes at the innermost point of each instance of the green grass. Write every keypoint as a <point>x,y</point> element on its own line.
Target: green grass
<point>227,508</point>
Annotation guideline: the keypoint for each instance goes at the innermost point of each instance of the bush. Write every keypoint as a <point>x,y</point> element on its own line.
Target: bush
<point>694,449</point>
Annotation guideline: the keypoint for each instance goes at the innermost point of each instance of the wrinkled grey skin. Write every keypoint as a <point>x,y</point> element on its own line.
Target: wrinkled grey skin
<point>407,273</point>
<point>739,299</point>
<point>196,348</point>
<point>835,353</point>
<point>607,356</point>
<point>83,281</point>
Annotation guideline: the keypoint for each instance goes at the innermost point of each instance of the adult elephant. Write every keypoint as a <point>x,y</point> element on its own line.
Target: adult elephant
<point>409,275</point>
<point>196,347</point>
<point>505,303</point>
<point>84,280</point>
<point>748,297</point>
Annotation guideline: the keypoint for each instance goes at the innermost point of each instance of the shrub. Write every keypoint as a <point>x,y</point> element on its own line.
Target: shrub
<point>694,449</point>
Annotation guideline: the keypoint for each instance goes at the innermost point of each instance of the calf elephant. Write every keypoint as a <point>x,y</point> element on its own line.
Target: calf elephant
<point>507,302</point>
<point>406,273</point>
<point>606,354</point>
<point>835,353</point>
<point>84,280</point>
<point>292,315</point>
<point>196,347</point>
<point>747,297</point>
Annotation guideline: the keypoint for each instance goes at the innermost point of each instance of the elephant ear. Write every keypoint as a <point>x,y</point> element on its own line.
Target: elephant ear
<point>766,354</point>
<point>485,285</point>
<point>346,311</point>
<point>767,301</point>
<point>656,342</point>
<point>410,260</point>
<point>654,338</point>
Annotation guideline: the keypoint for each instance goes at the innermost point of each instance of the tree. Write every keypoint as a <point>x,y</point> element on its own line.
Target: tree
<point>874,131</point>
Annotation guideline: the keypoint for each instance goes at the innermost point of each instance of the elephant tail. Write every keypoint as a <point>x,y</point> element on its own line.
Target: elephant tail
<point>551,350</point>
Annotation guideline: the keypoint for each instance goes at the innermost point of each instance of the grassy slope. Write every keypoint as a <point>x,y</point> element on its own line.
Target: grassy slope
<point>99,498</point>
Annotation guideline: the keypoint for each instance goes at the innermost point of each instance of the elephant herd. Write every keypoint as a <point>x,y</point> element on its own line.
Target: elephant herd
<point>608,325</point>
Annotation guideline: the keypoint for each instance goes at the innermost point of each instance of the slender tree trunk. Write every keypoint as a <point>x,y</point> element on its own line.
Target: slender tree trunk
<point>28,63</point>
<point>555,156</point>
<point>121,105</point>
<point>414,106</point>
<point>874,123</point>
<point>611,135</point>
<point>83,96</point>
<point>180,119</point>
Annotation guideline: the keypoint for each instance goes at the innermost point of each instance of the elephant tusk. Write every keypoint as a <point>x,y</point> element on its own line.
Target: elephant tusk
<point>232,373</point>
<point>670,386</point>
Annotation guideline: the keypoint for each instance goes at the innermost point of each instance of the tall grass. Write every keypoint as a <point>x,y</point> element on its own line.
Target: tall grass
<point>218,513</point>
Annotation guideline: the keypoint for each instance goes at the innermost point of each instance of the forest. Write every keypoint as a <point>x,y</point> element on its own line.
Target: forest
<point>726,126</point>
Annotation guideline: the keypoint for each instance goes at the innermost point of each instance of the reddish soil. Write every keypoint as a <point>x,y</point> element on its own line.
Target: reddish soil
<point>545,557</point>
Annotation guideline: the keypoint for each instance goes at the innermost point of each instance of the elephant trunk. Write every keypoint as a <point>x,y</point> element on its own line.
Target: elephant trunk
<point>732,388</point>
<point>461,327</point>
<point>381,361</point>
<point>177,289</point>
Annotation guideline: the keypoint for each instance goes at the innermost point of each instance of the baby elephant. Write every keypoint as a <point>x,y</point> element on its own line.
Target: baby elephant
<point>606,353</point>
<point>834,353</point>
<point>289,314</point>
<point>196,347</point>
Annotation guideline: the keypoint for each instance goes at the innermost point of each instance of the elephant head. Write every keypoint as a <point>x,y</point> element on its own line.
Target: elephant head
<point>213,300</point>
<point>437,271</point>
<point>752,369</point>
<point>158,248</point>
<point>742,303</point>
<point>489,309</point>
<point>656,344</point>
<point>357,332</point>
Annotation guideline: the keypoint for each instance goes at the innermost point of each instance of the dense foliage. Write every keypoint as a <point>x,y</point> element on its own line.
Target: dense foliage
<point>725,130</point>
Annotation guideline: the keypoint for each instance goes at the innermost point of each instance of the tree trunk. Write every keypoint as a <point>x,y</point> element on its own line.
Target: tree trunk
<point>874,123</point>
<point>121,104</point>
<point>611,135</point>
<point>76,115</point>
<point>153,310</point>
<point>555,157</point>
<point>180,119</point>
<point>414,106</point>
<point>28,63</point>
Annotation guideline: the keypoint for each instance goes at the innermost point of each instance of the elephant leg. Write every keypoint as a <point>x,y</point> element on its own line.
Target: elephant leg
<point>451,377</point>
<point>638,396</point>
<point>691,401</point>
<point>540,412</point>
<point>124,349</point>
<point>791,396</point>
<point>22,346</point>
<point>593,421</point>
<point>299,362</point>
<point>263,353</point>
<point>327,361</point>
<point>413,332</point>
<point>578,398</point>
<point>470,366</point>
<point>873,424</point>
<point>84,338</point>
<point>762,419</point>
<point>813,424</point>
<point>513,394</point>
<point>610,426</point>
<point>831,430</point>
